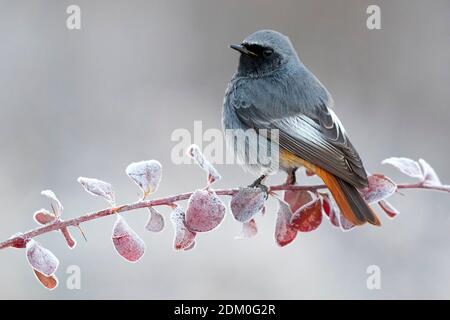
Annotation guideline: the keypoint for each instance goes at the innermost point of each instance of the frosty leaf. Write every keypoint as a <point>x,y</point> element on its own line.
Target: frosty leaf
<point>380,187</point>
<point>41,259</point>
<point>49,282</point>
<point>330,209</point>
<point>43,216</point>
<point>430,177</point>
<point>205,211</point>
<point>155,221</point>
<point>246,203</point>
<point>146,174</point>
<point>249,230</point>
<point>407,166</point>
<point>126,242</point>
<point>56,205</point>
<point>98,188</point>
<point>195,153</point>
<point>308,217</point>
<point>191,246</point>
<point>388,208</point>
<point>68,237</point>
<point>297,198</point>
<point>285,233</point>
<point>184,238</point>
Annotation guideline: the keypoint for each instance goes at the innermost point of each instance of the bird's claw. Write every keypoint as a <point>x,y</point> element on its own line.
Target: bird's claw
<point>257,184</point>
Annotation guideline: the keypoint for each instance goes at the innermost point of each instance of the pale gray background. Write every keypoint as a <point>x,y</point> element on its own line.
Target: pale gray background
<point>89,102</point>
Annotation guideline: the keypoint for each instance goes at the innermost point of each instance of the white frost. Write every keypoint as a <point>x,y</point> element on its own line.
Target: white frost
<point>98,188</point>
<point>430,176</point>
<point>43,216</point>
<point>146,174</point>
<point>126,242</point>
<point>41,259</point>
<point>405,165</point>
<point>195,153</point>
<point>155,221</point>
<point>56,205</point>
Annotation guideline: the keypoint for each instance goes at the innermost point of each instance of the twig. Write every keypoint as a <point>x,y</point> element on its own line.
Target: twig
<point>75,222</point>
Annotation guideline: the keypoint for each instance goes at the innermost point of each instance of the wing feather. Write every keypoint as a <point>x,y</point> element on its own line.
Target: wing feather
<point>317,137</point>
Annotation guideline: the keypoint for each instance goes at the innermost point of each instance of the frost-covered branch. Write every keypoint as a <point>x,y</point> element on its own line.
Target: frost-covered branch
<point>301,209</point>
<point>18,239</point>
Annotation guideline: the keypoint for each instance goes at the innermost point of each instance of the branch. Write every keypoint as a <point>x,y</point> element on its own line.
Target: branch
<point>167,201</point>
<point>300,210</point>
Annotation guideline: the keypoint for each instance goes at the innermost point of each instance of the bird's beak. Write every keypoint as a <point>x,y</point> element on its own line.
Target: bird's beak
<point>242,49</point>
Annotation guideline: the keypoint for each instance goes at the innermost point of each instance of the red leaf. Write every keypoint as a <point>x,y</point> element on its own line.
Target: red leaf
<point>249,230</point>
<point>191,246</point>
<point>184,238</point>
<point>155,221</point>
<point>407,166</point>
<point>50,282</point>
<point>126,242</point>
<point>333,213</point>
<point>205,211</point>
<point>297,198</point>
<point>68,237</point>
<point>330,209</point>
<point>308,217</point>
<point>285,233</point>
<point>380,187</point>
<point>43,216</point>
<point>388,208</point>
<point>246,203</point>
<point>41,259</point>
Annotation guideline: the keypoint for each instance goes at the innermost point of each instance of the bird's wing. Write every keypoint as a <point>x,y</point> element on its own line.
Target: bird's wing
<point>314,134</point>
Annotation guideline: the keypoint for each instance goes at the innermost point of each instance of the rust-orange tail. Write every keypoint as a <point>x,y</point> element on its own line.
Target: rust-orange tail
<point>349,200</point>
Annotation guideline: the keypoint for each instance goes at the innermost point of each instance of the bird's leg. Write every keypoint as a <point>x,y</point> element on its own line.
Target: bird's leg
<point>258,184</point>
<point>291,179</point>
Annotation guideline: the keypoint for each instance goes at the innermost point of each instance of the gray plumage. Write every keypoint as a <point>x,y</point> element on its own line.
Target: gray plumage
<point>272,89</point>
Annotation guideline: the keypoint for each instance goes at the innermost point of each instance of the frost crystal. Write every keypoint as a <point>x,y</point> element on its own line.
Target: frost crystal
<point>146,174</point>
<point>126,242</point>
<point>155,221</point>
<point>195,153</point>
<point>285,233</point>
<point>56,205</point>
<point>205,211</point>
<point>41,259</point>
<point>184,238</point>
<point>98,188</point>
<point>246,203</point>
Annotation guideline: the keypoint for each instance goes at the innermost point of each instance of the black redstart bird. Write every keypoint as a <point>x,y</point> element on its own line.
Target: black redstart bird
<point>273,90</point>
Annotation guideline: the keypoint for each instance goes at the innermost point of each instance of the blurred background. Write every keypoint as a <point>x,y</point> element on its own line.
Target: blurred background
<point>88,102</point>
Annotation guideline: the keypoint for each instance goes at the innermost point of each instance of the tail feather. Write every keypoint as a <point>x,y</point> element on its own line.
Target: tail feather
<point>349,200</point>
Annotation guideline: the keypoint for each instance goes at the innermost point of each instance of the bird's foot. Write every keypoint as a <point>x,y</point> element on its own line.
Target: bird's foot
<point>291,179</point>
<point>258,184</point>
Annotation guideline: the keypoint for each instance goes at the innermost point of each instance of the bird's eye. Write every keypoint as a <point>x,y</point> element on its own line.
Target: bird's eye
<point>267,52</point>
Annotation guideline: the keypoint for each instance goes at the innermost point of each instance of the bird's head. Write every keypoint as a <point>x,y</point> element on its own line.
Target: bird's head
<point>263,52</point>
